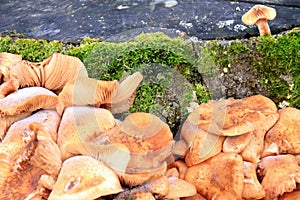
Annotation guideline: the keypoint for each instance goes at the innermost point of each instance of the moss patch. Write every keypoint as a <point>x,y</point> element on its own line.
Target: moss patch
<point>174,67</point>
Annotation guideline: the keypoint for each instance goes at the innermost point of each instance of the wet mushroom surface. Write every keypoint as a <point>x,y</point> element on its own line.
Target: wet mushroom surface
<point>56,148</point>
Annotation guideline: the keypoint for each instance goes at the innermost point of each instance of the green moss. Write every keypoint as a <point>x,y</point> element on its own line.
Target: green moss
<point>170,63</point>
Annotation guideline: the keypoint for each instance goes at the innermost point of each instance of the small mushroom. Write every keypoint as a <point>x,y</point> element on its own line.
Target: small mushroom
<point>83,177</point>
<point>117,97</point>
<point>219,177</point>
<point>279,174</point>
<point>7,60</point>
<point>284,136</point>
<point>74,132</point>
<point>259,15</point>
<point>252,188</point>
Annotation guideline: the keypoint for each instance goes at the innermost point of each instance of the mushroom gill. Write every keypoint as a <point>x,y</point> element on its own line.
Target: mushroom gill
<point>279,174</point>
<point>58,69</point>
<point>27,100</point>
<point>112,95</point>
<point>219,177</point>
<point>83,177</point>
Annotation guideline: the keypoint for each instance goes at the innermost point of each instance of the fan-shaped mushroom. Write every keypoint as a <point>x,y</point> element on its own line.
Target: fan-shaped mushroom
<point>83,177</point>
<point>252,188</point>
<point>19,176</point>
<point>80,124</point>
<point>285,133</point>
<point>149,141</point>
<point>259,15</point>
<point>87,91</point>
<point>279,174</point>
<point>7,60</point>
<point>8,87</point>
<point>219,177</point>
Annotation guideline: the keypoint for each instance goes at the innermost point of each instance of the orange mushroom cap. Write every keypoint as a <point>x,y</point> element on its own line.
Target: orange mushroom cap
<point>258,12</point>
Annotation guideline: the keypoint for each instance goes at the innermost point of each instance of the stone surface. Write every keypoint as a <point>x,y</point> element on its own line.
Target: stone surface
<point>70,21</point>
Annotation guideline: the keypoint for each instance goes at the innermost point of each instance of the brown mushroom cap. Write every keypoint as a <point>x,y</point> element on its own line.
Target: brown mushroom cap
<point>219,177</point>
<point>74,132</point>
<point>180,188</point>
<point>232,117</point>
<point>290,195</point>
<point>285,133</point>
<point>252,188</point>
<point>82,177</point>
<point>279,174</point>
<point>258,12</point>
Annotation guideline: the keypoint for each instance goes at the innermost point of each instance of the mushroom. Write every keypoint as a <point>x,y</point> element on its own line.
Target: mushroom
<point>18,175</point>
<point>180,188</point>
<point>87,91</point>
<point>74,132</point>
<point>235,144</point>
<point>149,141</point>
<point>83,177</point>
<point>254,150</point>
<point>284,136</point>
<point>232,117</point>
<point>52,73</point>
<point>27,100</point>
<point>219,177</point>
<point>279,174</point>
<point>259,15</point>
<point>7,60</point>
<point>252,188</point>
<point>194,197</point>
<point>22,103</point>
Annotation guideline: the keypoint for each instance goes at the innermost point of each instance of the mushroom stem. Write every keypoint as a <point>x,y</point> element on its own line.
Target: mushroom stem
<point>263,27</point>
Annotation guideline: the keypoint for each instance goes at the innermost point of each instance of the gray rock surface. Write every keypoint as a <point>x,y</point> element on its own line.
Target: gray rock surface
<point>70,21</point>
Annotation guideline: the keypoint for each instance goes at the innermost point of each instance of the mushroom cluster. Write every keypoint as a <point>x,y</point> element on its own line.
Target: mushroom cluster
<point>60,140</point>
